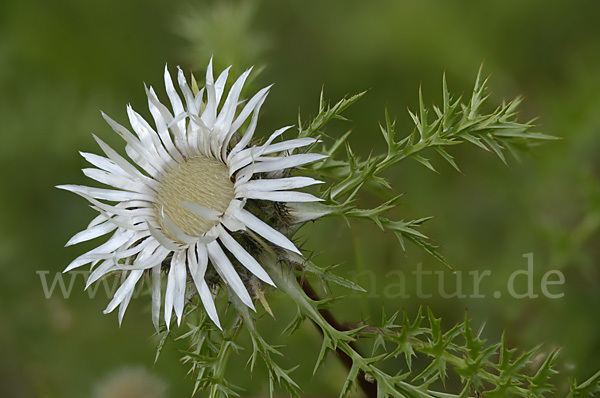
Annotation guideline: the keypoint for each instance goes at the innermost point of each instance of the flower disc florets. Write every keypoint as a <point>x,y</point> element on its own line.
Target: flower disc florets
<point>198,180</point>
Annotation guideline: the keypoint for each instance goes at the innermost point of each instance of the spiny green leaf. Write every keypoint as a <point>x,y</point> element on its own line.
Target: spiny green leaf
<point>326,114</point>
<point>587,389</point>
<point>540,383</point>
<point>449,158</point>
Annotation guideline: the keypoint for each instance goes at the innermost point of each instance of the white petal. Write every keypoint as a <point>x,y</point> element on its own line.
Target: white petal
<point>220,83</point>
<point>252,106</point>
<point>201,211</point>
<point>272,137</point>
<point>152,253</point>
<point>121,161</point>
<point>108,211</point>
<point>243,256</point>
<point>118,239</point>
<point>244,175</point>
<point>99,219</point>
<point>162,238</point>
<point>172,94</point>
<point>225,269</point>
<point>162,117</point>
<point>177,120</point>
<point>206,238</point>
<point>170,292</point>
<point>111,167</point>
<point>210,110</point>
<point>106,194</point>
<point>127,250</point>
<point>141,162</point>
<point>104,268</point>
<point>209,72</point>
<point>156,295</point>
<point>277,184</point>
<point>227,219</point>
<point>178,123</point>
<point>232,223</point>
<point>124,290</point>
<point>250,155</point>
<point>179,234</point>
<point>142,132</point>
<point>180,282</point>
<point>199,99</point>
<point>197,264</point>
<point>303,212</point>
<point>138,240</point>
<point>225,118</point>
<point>280,163</point>
<point>91,233</point>
<point>136,146</point>
<point>133,222</point>
<point>264,230</point>
<point>148,136</point>
<point>187,92</point>
<point>117,181</point>
<point>249,133</point>
<point>203,140</point>
<point>213,92</point>
<point>156,258</point>
<point>192,134</point>
<point>289,144</point>
<point>228,110</point>
<point>278,196</point>
<point>124,304</point>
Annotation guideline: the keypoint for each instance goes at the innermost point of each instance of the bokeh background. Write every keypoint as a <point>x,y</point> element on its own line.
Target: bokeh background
<point>63,61</point>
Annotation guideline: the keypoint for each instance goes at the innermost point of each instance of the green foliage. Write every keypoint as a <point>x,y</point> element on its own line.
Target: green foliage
<point>411,358</point>
<point>490,369</point>
<point>61,64</point>
<point>260,348</point>
<point>588,388</point>
<point>455,123</point>
<point>408,357</point>
<point>209,353</point>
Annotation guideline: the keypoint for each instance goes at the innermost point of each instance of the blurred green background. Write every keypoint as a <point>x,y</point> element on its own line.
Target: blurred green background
<point>63,61</point>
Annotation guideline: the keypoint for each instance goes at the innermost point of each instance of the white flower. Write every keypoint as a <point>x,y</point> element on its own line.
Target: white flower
<point>184,193</point>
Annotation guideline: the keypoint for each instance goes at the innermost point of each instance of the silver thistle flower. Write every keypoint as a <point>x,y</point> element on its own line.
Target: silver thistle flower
<point>183,194</point>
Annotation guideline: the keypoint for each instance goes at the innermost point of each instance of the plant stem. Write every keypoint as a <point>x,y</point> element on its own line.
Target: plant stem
<point>370,389</point>
<point>224,354</point>
<point>323,319</point>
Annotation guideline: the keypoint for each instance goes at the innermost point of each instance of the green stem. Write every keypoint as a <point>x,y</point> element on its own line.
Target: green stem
<point>224,354</point>
<point>341,341</point>
<point>383,163</point>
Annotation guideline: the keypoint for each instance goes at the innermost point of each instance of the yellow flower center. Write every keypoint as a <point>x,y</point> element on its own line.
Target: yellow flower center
<point>198,180</point>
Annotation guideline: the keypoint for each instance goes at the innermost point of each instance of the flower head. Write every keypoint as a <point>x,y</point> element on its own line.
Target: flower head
<point>183,193</point>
